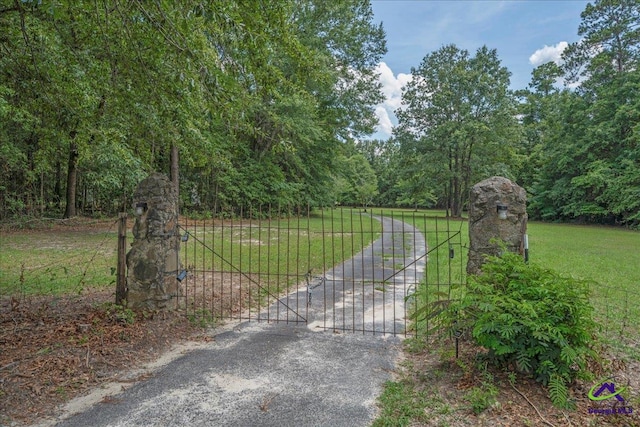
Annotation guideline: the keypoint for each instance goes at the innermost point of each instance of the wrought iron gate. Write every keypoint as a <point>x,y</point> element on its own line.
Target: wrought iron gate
<point>334,269</point>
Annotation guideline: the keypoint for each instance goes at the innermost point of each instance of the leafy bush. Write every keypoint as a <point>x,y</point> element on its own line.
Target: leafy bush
<point>484,396</point>
<point>120,314</point>
<point>529,318</point>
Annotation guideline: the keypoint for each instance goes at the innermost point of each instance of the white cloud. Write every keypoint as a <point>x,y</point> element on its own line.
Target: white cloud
<point>384,121</point>
<point>392,91</point>
<point>553,53</point>
<point>548,54</point>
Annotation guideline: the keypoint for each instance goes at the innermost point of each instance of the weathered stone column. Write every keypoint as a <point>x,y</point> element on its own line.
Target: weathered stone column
<point>486,199</point>
<point>152,262</point>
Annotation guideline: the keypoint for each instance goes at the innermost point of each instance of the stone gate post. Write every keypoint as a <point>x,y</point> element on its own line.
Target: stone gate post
<point>153,261</point>
<point>497,210</point>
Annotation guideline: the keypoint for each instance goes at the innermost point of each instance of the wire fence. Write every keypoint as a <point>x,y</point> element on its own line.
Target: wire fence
<point>339,269</point>
<point>78,257</point>
<point>617,312</point>
<point>59,258</point>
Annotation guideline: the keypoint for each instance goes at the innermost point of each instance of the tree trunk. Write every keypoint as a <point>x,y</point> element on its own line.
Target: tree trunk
<point>42,203</point>
<point>456,210</point>
<point>468,172</point>
<point>175,169</point>
<point>72,168</point>
<point>72,178</point>
<point>121,266</point>
<point>57,190</point>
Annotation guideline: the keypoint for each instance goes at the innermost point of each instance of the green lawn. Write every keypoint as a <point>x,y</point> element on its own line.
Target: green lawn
<point>609,257</point>
<point>59,262</point>
<point>280,251</point>
<point>48,262</point>
<point>55,262</point>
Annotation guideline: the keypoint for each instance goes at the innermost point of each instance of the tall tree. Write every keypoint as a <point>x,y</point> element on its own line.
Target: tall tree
<point>539,112</point>
<point>460,114</point>
<point>357,182</point>
<point>610,44</point>
<point>588,141</point>
<point>257,97</point>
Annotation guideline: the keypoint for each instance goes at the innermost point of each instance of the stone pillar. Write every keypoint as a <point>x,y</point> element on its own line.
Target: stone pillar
<point>152,262</point>
<point>485,223</point>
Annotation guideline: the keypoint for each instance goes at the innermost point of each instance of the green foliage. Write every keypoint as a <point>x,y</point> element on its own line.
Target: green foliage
<point>581,156</point>
<point>529,318</point>
<point>459,121</point>
<point>356,182</point>
<point>258,100</point>
<point>609,41</point>
<point>559,392</point>
<point>119,313</point>
<point>482,397</point>
<point>402,405</point>
<point>265,103</point>
<point>202,318</point>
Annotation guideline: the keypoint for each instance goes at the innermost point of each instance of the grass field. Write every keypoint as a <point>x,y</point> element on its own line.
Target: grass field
<point>53,262</point>
<point>278,252</point>
<point>605,255</point>
<point>58,261</point>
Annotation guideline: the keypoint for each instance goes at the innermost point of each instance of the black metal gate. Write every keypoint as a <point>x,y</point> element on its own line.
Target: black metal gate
<point>333,269</point>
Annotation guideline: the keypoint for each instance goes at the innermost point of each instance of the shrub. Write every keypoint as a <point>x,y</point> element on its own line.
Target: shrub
<point>529,318</point>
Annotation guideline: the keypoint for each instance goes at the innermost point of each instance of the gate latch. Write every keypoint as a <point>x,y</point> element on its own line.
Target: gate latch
<point>310,288</point>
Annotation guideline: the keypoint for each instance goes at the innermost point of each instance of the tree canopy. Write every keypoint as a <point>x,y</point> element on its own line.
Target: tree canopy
<point>259,98</point>
<point>459,118</point>
<point>583,144</point>
<point>272,103</point>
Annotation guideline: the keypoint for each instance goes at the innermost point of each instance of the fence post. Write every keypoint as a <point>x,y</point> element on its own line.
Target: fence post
<point>121,285</point>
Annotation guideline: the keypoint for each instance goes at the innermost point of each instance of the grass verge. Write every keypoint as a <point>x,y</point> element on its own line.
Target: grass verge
<point>605,256</point>
<point>57,261</point>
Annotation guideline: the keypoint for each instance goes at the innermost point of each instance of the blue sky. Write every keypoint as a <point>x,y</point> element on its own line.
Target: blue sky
<point>526,33</point>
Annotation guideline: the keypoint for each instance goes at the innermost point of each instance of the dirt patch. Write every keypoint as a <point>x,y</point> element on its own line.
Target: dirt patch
<point>458,392</point>
<point>223,295</point>
<point>54,349</point>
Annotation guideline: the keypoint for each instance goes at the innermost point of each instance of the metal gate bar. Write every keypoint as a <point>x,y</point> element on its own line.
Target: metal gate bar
<point>389,274</point>
<point>336,269</point>
<point>236,280</point>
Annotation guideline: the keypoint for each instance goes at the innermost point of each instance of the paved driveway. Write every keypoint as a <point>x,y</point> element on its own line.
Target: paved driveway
<point>277,374</point>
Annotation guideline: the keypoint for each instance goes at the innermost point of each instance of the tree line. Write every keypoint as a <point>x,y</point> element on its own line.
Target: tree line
<point>571,138</point>
<point>252,102</point>
<point>266,102</point>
